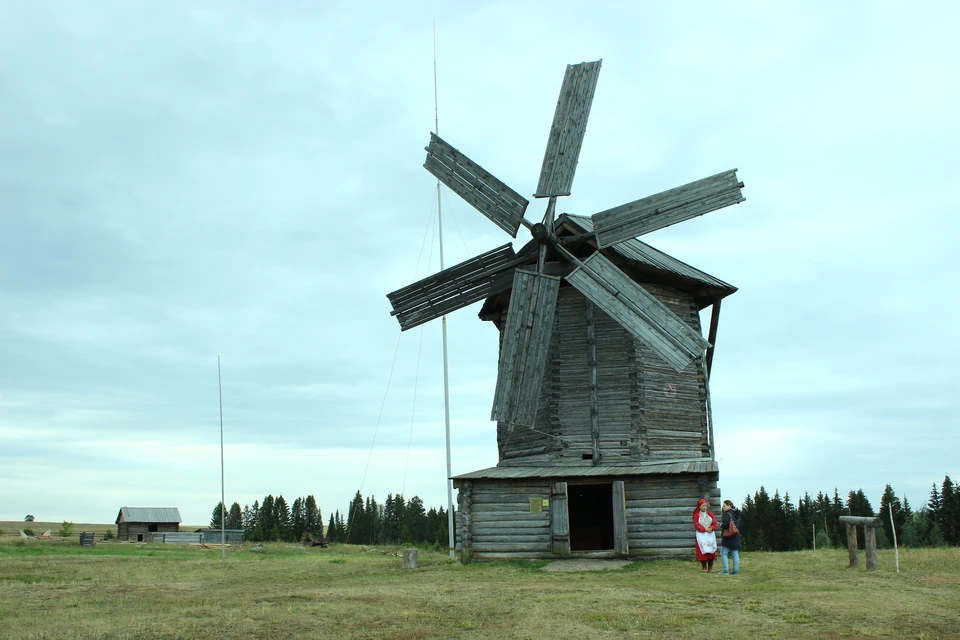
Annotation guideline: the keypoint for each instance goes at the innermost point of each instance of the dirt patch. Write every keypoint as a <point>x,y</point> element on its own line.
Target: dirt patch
<point>585,564</point>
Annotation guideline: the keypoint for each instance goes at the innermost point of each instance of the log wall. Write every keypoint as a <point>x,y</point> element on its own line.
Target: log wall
<point>130,530</point>
<point>495,519</point>
<point>647,410</point>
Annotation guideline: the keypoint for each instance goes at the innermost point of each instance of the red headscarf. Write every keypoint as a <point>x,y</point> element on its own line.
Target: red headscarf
<point>700,502</point>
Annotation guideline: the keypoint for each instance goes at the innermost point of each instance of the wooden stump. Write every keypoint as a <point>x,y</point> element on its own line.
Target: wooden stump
<point>411,558</point>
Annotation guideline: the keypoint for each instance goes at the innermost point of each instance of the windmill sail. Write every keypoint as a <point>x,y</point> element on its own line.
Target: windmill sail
<point>526,345</point>
<point>638,311</point>
<point>666,208</point>
<point>504,206</point>
<point>566,133</point>
<point>454,288</point>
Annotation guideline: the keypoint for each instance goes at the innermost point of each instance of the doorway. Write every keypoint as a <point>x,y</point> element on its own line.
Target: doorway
<point>591,517</point>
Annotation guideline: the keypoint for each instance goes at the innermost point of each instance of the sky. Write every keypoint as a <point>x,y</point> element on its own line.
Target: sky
<point>182,182</point>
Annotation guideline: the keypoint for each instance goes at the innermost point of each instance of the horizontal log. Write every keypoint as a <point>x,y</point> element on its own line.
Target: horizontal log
<point>511,546</point>
<point>517,540</point>
<point>514,555</point>
<point>647,543</point>
<point>872,521</point>
<point>532,522</point>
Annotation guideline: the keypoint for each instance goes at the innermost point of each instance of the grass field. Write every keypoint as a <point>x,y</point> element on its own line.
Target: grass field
<point>116,590</point>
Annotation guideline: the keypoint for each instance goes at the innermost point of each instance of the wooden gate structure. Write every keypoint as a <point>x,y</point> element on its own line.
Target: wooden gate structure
<point>869,525</point>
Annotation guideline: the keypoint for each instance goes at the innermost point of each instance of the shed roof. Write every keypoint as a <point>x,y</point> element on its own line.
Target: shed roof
<point>148,514</point>
<point>566,471</point>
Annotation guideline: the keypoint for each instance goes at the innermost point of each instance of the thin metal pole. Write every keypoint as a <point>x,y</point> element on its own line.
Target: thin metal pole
<point>223,503</point>
<point>443,322</point>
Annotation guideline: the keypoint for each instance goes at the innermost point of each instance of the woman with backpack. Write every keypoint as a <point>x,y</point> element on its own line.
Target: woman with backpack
<point>730,541</point>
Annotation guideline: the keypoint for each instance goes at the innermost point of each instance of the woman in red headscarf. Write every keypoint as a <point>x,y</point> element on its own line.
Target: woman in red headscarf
<point>706,525</point>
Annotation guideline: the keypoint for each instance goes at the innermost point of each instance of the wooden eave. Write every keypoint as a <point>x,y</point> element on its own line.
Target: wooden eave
<point>639,260</point>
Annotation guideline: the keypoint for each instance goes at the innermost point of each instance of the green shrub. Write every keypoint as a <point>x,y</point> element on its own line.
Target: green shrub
<point>66,529</point>
<point>29,532</point>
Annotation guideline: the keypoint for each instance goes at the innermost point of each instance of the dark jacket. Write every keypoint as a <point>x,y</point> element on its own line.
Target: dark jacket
<point>732,542</point>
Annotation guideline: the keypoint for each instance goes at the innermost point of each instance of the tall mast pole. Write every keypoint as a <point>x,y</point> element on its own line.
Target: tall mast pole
<point>223,503</point>
<point>443,321</point>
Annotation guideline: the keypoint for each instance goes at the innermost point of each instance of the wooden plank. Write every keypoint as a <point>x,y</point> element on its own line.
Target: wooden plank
<point>491,197</point>
<point>666,208</point>
<point>620,542</point>
<point>712,335</point>
<point>523,353</point>
<point>559,520</point>
<point>458,286</point>
<point>566,132</point>
<point>638,311</point>
<point>592,373</point>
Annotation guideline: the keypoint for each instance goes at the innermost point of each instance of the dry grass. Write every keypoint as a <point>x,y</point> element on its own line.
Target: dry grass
<point>57,590</point>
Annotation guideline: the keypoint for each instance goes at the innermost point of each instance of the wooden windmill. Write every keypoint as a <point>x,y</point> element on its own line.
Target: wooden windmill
<point>581,366</point>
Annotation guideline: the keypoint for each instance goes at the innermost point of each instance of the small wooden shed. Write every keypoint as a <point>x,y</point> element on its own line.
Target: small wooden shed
<point>137,524</point>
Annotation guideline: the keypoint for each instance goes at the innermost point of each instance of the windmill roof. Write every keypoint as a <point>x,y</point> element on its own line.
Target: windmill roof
<point>567,471</point>
<point>148,514</point>
<point>646,255</point>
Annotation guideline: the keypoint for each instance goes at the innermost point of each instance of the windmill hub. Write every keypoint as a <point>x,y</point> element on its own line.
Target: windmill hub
<point>543,235</point>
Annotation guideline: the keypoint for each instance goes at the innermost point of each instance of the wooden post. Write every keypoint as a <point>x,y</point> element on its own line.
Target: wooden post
<point>870,541</point>
<point>559,520</point>
<point>852,545</point>
<point>621,544</point>
<point>411,558</point>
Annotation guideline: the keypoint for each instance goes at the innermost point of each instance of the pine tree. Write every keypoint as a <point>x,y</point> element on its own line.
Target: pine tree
<point>889,502</point>
<point>216,517</point>
<point>283,522</point>
<point>235,517</point>
<point>267,518</point>
<point>934,508</point>
<point>299,519</point>
<point>950,507</point>
<point>254,528</point>
<point>416,520</point>
<point>313,517</point>
<point>332,530</point>
<point>355,525</point>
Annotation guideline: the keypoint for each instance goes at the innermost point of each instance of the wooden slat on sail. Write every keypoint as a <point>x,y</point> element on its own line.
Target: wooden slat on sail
<point>453,288</point>
<point>566,133</point>
<point>638,311</point>
<point>504,206</point>
<point>526,343</point>
<point>666,208</point>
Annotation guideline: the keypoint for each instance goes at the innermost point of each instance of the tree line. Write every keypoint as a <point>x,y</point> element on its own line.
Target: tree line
<point>776,524</point>
<point>366,522</point>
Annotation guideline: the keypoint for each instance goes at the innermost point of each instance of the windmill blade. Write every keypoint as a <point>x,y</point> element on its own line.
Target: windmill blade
<point>669,207</point>
<point>504,206</point>
<point>456,287</point>
<point>638,311</point>
<point>566,133</point>
<point>526,345</point>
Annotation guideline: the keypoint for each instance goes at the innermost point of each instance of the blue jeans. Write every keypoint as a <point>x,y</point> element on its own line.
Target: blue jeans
<point>736,559</point>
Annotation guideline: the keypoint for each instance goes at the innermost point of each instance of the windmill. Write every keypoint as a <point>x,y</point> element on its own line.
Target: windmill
<point>534,292</point>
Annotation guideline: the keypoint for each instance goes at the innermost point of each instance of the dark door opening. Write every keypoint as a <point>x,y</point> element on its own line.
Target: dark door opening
<point>139,537</point>
<point>153,528</point>
<point>591,517</point>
